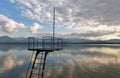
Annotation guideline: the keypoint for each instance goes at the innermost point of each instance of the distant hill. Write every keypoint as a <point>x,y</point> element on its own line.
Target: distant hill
<point>113,41</point>
<point>7,39</point>
<point>76,40</point>
<point>85,41</point>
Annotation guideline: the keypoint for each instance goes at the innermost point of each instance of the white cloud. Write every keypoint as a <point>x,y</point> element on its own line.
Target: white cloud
<point>13,1</point>
<point>78,16</point>
<point>8,25</point>
<point>8,62</point>
<point>73,11</point>
<point>34,28</point>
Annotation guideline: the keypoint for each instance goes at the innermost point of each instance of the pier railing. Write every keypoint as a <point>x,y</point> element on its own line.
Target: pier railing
<point>47,42</point>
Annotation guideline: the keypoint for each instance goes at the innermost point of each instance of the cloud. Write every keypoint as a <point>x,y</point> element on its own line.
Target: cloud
<point>34,28</point>
<point>13,1</point>
<point>78,16</point>
<point>72,11</point>
<point>93,33</point>
<point>8,62</point>
<point>8,25</point>
<point>118,35</point>
<point>76,10</point>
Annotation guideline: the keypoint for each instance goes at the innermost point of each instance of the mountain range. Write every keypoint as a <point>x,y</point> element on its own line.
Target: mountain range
<point>7,39</point>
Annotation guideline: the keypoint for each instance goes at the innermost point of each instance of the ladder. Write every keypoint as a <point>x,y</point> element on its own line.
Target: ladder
<point>38,66</point>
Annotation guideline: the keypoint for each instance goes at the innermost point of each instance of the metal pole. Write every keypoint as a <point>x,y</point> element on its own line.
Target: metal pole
<point>53,27</point>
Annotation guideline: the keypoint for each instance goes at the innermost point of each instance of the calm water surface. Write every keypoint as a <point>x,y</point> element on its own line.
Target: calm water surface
<point>74,61</point>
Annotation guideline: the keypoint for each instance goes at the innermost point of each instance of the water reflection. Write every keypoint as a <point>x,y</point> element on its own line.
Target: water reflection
<point>9,61</point>
<point>75,61</point>
<point>8,47</point>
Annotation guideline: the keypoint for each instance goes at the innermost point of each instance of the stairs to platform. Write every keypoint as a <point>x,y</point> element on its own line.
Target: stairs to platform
<point>37,70</point>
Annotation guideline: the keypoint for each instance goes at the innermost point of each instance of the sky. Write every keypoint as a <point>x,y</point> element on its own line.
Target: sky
<point>88,19</point>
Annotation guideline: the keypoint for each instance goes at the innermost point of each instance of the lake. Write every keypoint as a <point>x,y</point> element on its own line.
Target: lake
<point>74,61</point>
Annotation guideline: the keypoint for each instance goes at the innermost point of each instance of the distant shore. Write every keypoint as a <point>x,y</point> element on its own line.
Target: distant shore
<point>49,43</point>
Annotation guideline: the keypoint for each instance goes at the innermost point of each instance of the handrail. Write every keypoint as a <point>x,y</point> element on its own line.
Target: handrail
<point>31,40</point>
<point>44,43</point>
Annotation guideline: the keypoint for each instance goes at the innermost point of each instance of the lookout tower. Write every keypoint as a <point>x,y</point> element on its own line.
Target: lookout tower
<point>42,47</point>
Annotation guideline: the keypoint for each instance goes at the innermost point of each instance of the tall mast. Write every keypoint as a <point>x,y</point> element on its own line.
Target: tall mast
<point>53,25</point>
